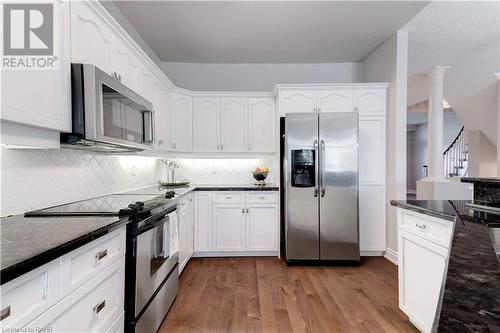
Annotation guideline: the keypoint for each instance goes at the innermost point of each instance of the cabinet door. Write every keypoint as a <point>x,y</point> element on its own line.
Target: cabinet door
<point>297,101</point>
<point>127,64</point>
<point>261,125</point>
<point>190,239</point>
<point>91,38</point>
<point>422,266</point>
<point>372,150</point>
<point>233,117</point>
<point>370,102</point>
<point>42,98</point>
<point>335,101</point>
<point>206,129</point>
<point>182,124</point>
<point>372,218</point>
<point>229,227</point>
<point>183,237</point>
<point>203,221</point>
<point>162,116</point>
<point>147,83</point>
<point>262,228</point>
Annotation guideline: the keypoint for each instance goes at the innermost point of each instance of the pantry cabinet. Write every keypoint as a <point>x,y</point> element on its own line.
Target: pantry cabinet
<point>182,124</point>
<point>261,125</point>
<point>233,120</point>
<point>206,126</point>
<point>370,102</point>
<point>372,150</point>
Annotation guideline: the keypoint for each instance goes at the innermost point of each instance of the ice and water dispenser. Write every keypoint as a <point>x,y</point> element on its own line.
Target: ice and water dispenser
<point>303,168</point>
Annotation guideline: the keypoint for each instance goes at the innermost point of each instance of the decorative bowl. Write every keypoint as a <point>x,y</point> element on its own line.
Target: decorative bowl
<point>260,177</point>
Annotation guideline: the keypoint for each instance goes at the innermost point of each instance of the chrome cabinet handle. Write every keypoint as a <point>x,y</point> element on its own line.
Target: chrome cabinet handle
<point>421,226</point>
<point>315,148</point>
<point>221,147</point>
<point>249,147</point>
<point>322,176</point>
<point>98,307</point>
<point>243,211</point>
<point>5,313</point>
<point>319,110</point>
<point>174,145</point>
<point>229,197</point>
<point>247,210</point>
<point>262,197</point>
<point>101,254</point>
<point>315,110</point>
<point>356,109</point>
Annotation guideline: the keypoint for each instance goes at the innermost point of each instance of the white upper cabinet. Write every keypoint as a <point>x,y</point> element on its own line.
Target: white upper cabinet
<point>147,83</point>
<point>206,124</point>
<point>182,124</point>
<point>40,98</point>
<point>261,125</point>
<point>91,38</point>
<point>372,150</point>
<point>298,101</point>
<point>162,112</point>
<point>335,101</point>
<point>233,115</point>
<point>127,64</point>
<point>370,102</point>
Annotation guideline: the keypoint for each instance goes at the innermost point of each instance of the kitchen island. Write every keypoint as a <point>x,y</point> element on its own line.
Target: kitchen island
<point>469,297</point>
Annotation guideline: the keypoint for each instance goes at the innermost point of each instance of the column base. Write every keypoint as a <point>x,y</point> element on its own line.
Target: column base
<point>429,189</point>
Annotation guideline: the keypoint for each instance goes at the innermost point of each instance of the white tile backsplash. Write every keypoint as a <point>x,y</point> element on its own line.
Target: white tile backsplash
<point>225,171</point>
<point>33,179</point>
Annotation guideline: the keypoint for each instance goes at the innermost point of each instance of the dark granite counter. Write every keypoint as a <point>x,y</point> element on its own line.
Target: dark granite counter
<point>484,188</point>
<point>30,242</point>
<point>471,297</point>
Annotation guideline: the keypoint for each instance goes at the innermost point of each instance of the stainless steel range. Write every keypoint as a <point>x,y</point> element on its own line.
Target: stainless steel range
<point>152,253</point>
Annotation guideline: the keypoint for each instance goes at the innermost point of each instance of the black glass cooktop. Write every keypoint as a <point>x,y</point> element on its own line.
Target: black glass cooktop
<point>106,205</point>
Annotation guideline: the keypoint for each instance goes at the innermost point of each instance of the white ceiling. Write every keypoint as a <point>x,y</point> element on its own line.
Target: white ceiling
<point>266,31</point>
<point>466,36</point>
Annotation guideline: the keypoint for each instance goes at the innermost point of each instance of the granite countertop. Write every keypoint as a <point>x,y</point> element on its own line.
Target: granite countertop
<point>30,242</point>
<point>471,298</point>
<point>490,180</point>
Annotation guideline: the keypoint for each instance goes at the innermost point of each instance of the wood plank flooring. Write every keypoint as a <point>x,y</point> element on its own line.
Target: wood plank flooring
<point>264,295</point>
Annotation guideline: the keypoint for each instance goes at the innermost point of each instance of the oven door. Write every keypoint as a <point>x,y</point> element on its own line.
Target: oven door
<point>157,254</point>
<point>115,114</point>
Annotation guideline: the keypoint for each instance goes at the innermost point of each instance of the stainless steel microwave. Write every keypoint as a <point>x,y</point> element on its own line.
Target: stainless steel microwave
<point>106,115</point>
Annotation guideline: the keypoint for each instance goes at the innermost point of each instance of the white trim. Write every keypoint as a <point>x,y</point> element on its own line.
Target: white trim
<point>391,255</point>
<point>371,253</point>
<point>209,254</point>
<point>329,86</point>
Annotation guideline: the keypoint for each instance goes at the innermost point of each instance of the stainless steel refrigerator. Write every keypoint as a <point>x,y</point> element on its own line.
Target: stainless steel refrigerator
<point>320,175</point>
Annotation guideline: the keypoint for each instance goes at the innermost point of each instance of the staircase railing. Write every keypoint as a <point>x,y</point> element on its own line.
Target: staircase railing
<point>456,155</point>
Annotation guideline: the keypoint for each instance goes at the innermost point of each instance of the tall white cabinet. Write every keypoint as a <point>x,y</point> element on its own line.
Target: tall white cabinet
<point>369,100</point>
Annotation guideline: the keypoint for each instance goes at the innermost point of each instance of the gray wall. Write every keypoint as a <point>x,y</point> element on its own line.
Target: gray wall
<point>257,77</point>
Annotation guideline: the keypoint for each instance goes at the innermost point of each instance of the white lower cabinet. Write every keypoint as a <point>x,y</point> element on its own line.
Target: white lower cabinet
<point>261,227</point>
<point>229,227</point>
<point>92,308</point>
<point>185,220</point>
<point>372,238</point>
<point>236,223</point>
<point>422,268</point>
<point>82,291</point>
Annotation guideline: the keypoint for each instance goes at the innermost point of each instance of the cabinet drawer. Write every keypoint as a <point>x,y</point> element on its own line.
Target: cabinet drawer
<point>261,197</point>
<point>230,197</point>
<point>84,263</point>
<point>92,308</point>
<point>118,326</point>
<point>28,296</point>
<point>429,228</point>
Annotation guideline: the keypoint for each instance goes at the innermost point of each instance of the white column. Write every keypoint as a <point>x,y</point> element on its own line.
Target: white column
<point>435,124</point>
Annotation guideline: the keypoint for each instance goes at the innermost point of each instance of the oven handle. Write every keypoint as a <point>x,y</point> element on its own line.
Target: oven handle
<point>159,219</point>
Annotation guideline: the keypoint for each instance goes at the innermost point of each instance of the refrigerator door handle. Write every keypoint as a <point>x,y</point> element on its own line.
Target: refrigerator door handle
<point>322,172</point>
<point>316,188</point>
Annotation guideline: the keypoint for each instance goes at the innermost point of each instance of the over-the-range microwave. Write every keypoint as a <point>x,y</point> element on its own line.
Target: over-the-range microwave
<point>106,115</point>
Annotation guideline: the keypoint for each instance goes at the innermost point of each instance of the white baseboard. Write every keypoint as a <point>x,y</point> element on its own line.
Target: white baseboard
<point>392,256</point>
<point>209,254</point>
<point>364,253</point>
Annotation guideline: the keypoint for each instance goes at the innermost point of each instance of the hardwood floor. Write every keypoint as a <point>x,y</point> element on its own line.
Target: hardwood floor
<point>264,295</point>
